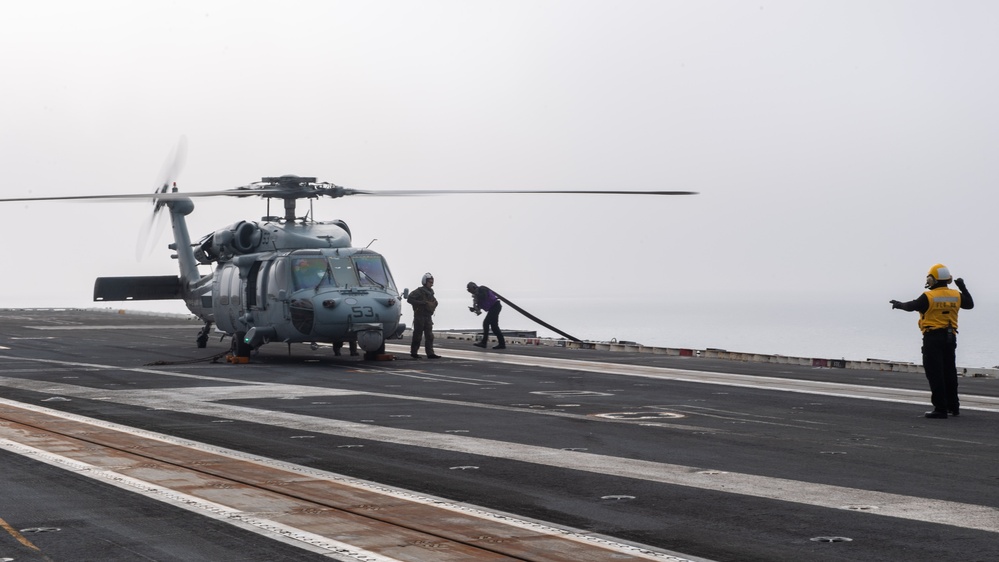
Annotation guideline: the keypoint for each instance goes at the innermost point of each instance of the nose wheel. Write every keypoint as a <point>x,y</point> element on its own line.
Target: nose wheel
<point>375,355</point>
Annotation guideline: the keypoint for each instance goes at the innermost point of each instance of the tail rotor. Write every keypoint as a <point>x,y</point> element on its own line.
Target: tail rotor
<point>153,229</point>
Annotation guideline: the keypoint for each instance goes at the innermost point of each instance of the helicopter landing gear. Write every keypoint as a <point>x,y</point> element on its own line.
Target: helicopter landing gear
<point>240,348</point>
<point>203,335</point>
<point>374,355</point>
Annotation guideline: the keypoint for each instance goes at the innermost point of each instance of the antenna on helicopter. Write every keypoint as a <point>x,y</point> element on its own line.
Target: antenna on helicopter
<point>373,240</point>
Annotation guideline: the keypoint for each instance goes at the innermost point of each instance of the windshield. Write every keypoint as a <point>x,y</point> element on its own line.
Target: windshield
<point>364,270</point>
<point>343,272</point>
<point>310,273</point>
<point>373,272</point>
<point>359,270</point>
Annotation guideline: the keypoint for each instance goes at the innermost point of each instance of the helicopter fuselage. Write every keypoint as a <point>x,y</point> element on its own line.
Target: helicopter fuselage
<point>276,280</point>
<point>312,295</point>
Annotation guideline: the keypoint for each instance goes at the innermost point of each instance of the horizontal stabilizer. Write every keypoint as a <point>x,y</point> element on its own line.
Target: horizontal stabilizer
<point>151,288</point>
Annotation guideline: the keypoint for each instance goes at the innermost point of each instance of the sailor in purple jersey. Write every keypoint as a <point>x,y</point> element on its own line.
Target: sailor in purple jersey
<point>484,299</point>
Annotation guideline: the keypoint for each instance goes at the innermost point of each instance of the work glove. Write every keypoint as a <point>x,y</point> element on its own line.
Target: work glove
<point>960,283</point>
<point>896,304</point>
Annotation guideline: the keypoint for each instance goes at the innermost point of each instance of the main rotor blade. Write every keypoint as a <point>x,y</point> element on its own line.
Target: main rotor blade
<point>140,196</point>
<point>406,192</point>
<point>277,192</point>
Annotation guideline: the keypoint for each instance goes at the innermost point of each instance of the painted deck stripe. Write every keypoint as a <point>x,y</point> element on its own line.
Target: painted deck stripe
<point>193,401</point>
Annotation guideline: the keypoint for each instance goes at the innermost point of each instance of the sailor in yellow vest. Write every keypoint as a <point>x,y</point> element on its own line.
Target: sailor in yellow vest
<point>938,308</point>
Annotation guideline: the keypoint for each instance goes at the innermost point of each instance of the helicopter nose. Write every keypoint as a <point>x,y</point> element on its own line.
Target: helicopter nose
<point>339,317</point>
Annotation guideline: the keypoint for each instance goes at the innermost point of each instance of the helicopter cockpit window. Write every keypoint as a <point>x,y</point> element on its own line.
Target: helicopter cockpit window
<point>343,272</point>
<point>310,273</point>
<point>372,272</point>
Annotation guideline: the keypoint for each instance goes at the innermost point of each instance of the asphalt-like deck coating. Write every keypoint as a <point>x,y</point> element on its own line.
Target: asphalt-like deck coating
<point>702,458</point>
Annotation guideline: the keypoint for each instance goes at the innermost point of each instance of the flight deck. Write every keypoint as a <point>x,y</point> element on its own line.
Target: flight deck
<point>121,440</point>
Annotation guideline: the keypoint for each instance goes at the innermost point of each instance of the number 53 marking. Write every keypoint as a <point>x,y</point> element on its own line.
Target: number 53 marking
<point>363,311</point>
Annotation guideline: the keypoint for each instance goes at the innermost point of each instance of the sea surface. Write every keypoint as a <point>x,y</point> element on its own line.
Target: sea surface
<point>809,328</point>
<point>858,330</point>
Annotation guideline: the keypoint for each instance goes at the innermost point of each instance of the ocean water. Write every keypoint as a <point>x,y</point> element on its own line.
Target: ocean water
<point>857,330</point>
<point>808,328</point>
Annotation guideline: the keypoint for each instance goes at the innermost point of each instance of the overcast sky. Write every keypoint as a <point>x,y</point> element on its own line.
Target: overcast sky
<point>840,148</point>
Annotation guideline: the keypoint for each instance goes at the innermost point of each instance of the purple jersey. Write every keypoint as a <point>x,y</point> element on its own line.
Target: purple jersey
<point>486,298</point>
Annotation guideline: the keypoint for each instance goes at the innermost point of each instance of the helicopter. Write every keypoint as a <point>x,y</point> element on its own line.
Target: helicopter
<point>285,278</point>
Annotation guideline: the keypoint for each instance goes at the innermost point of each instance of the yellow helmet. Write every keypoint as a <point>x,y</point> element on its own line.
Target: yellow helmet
<point>938,274</point>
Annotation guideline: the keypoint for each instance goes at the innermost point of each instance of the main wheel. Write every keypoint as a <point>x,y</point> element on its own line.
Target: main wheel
<point>239,346</point>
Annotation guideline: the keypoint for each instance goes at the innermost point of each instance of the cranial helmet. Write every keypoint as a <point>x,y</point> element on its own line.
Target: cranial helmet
<point>426,276</point>
<point>937,274</point>
<point>471,287</point>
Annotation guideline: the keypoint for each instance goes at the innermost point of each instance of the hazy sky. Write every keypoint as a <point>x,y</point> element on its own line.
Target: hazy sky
<point>840,148</point>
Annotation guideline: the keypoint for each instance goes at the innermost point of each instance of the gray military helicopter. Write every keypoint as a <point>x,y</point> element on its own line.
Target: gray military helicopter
<point>283,278</point>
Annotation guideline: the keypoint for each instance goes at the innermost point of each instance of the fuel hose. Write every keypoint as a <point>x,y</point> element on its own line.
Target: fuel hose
<point>535,318</point>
